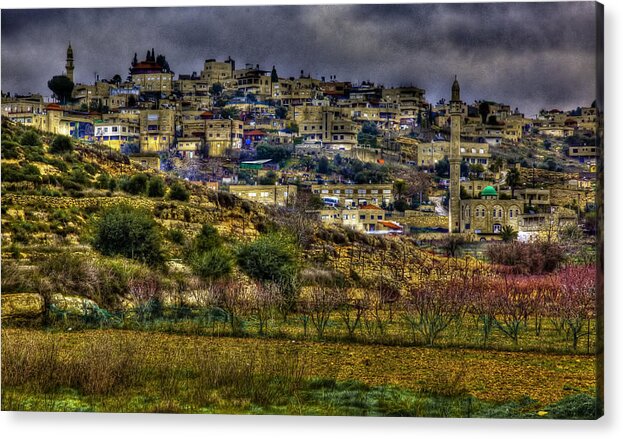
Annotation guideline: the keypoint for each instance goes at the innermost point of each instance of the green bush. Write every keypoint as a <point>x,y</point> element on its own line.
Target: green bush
<point>61,145</point>
<point>112,184</point>
<point>130,232</point>
<point>103,181</point>
<point>79,176</point>
<point>71,185</point>
<point>213,264</point>
<point>135,185</point>
<point>176,236</point>
<point>57,163</point>
<point>156,187</point>
<point>178,192</point>
<point>10,150</point>
<point>34,154</point>
<point>20,172</point>
<point>30,138</point>
<point>207,239</point>
<point>90,168</point>
<point>272,258</point>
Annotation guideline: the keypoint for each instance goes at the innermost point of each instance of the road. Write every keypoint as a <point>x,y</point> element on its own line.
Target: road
<point>439,207</point>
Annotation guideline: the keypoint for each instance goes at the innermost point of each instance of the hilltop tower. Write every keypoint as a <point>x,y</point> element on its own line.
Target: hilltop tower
<point>455,159</point>
<point>69,65</point>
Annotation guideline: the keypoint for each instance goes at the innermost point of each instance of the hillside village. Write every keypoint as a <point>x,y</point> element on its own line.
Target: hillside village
<point>235,240</point>
<point>360,155</point>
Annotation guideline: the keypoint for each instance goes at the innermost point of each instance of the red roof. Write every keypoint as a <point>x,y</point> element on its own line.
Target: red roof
<point>255,133</point>
<point>369,207</point>
<point>146,67</point>
<point>206,114</point>
<point>390,225</point>
<point>54,107</point>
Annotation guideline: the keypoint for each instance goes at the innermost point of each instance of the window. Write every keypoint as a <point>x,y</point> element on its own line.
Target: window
<point>115,129</point>
<point>380,217</point>
<point>362,217</point>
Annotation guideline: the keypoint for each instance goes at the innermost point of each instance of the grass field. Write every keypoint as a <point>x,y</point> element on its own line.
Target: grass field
<point>133,371</point>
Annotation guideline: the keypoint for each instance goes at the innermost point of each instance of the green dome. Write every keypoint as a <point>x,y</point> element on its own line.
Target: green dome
<point>489,191</point>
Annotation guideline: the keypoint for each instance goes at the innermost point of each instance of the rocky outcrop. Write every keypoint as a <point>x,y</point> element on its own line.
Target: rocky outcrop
<point>22,306</point>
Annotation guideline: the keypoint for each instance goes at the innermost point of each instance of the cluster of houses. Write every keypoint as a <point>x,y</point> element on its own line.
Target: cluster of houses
<point>226,109</point>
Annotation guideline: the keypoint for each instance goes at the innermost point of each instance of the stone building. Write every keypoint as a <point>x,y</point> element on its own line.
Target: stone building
<point>157,130</point>
<point>488,214</point>
<point>279,195</point>
<point>151,77</point>
<point>223,136</point>
<point>352,195</point>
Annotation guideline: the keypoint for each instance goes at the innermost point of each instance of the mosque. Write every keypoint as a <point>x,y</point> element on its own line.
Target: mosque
<point>485,214</point>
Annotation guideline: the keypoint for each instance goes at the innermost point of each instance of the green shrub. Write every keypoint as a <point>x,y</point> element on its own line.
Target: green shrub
<point>178,192</point>
<point>130,232</point>
<point>10,150</point>
<point>212,264</point>
<point>176,236</point>
<point>135,185</point>
<point>156,187</point>
<point>57,163</point>
<point>112,184</point>
<point>206,240</point>
<point>103,181</point>
<point>61,144</point>
<point>79,176</point>
<point>90,168</point>
<point>71,185</point>
<point>272,258</point>
<point>23,171</point>
<point>30,138</point>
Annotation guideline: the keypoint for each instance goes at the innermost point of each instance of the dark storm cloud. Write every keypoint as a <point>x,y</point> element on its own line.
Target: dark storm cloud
<point>530,55</point>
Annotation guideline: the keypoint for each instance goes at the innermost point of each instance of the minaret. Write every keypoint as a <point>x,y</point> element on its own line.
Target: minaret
<point>69,66</point>
<point>455,159</point>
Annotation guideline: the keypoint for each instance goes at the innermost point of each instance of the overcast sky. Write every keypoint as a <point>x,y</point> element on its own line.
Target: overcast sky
<point>528,55</point>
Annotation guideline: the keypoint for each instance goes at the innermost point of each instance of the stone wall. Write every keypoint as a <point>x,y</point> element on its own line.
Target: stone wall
<point>423,221</point>
<point>563,197</point>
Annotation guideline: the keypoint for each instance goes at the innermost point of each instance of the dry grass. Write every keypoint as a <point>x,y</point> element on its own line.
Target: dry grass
<point>123,371</point>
